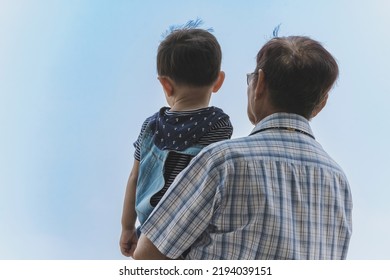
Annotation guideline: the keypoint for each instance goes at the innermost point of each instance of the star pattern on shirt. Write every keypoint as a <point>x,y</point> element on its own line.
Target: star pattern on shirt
<point>180,130</point>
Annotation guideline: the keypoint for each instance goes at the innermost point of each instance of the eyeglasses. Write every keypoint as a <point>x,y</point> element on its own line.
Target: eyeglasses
<point>249,77</point>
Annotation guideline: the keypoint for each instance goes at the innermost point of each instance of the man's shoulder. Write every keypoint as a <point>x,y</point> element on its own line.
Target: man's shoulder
<point>227,146</point>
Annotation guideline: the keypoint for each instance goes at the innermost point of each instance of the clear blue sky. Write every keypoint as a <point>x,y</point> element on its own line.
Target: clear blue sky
<point>77,79</point>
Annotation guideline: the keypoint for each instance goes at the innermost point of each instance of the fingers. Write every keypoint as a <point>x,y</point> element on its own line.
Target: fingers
<point>125,250</point>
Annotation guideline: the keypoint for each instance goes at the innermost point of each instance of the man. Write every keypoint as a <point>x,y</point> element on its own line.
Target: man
<point>275,194</point>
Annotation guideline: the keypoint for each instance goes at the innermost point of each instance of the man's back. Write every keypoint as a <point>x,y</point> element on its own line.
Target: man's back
<point>272,195</point>
<point>287,198</point>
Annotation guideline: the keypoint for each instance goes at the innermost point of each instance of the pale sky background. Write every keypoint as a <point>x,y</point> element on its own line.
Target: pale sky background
<point>78,78</point>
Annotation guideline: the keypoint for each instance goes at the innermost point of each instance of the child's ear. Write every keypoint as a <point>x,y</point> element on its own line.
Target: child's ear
<point>219,82</point>
<point>167,85</point>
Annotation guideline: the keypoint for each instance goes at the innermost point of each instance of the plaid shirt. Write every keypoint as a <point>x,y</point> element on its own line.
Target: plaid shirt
<point>275,194</point>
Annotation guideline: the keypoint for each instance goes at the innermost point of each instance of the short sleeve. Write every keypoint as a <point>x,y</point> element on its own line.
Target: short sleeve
<point>138,142</point>
<point>221,130</point>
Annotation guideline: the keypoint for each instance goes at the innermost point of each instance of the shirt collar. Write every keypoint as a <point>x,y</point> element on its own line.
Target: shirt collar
<point>286,120</point>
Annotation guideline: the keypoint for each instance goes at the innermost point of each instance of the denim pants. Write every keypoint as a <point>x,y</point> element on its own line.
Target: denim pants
<point>151,173</point>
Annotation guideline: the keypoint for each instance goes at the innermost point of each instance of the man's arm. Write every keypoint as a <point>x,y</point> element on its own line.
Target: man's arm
<point>185,211</point>
<point>147,251</point>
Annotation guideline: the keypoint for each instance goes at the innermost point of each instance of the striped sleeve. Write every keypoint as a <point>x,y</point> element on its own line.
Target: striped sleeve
<point>137,144</point>
<point>222,130</point>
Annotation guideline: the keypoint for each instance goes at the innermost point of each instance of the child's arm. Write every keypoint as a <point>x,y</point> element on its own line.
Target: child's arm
<point>128,241</point>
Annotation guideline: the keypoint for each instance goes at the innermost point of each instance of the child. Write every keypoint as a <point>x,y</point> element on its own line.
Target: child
<point>188,66</point>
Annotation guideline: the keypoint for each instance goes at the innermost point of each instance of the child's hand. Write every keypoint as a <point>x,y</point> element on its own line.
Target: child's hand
<point>128,242</point>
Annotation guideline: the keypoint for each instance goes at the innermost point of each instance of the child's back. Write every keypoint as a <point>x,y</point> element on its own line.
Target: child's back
<point>167,143</point>
<point>188,66</point>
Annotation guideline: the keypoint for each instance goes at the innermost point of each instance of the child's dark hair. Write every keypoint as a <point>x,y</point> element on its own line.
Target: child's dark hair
<point>190,56</point>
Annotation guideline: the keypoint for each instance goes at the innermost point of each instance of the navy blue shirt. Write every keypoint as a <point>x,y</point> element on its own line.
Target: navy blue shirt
<point>177,131</point>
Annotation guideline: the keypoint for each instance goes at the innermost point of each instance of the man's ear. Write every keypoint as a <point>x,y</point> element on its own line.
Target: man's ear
<point>320,106</point>
<point>260,85</point>
<point>167,85</point>
<point>219,82</point>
